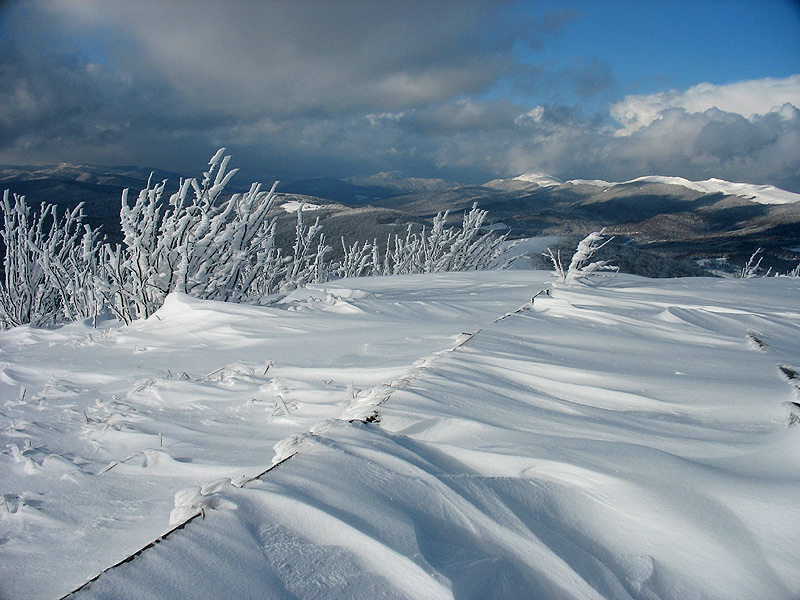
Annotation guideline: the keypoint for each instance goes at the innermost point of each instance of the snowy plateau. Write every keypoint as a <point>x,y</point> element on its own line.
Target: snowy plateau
<point>457,435</point>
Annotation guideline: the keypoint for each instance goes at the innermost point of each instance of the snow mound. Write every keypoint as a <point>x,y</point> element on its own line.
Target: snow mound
<point>195,500</point>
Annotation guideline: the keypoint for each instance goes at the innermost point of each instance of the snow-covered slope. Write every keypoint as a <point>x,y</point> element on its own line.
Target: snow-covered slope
<point>762,194</point>
<point>628,439</point>
<point>540,179</point>
<point>527,181</point>
<point>295,205</point>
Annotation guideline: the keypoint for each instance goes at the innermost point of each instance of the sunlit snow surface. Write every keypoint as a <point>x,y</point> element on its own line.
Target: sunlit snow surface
<point>627,439</point>
<point>295,205</point>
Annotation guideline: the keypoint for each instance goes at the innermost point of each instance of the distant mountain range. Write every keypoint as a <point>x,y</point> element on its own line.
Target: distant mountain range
<point>665,216</point>
<point>671,216</point>
<point>762,194</point>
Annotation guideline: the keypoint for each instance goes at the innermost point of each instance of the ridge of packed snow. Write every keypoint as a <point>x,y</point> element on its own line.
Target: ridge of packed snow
<point>762,194</point>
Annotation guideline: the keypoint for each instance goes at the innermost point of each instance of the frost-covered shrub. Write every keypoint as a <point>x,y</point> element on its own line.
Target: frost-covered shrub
<point>205,245</point>
<point>49,265</point>
<point>443,249</point>
<point>624,254</point>
<point>307,262</point>
<point>581,265</point>
<point>195,242</point>
<point>359,259</point>
<point>753,267</point>
<point>201,243</point>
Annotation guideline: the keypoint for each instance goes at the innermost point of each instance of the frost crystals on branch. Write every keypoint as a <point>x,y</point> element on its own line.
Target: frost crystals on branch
<point>581,265</point>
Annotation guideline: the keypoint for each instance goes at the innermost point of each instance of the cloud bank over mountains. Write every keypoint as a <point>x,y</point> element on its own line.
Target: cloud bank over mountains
<point>747,98</point>
<point>338,89</point>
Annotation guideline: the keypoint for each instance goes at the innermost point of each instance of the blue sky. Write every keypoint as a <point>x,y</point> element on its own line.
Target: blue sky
<point>467,90</point>
<point>679,43</point>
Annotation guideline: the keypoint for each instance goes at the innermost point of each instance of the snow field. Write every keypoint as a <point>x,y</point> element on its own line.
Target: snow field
<point>116,421</point>
<point>628,439</point>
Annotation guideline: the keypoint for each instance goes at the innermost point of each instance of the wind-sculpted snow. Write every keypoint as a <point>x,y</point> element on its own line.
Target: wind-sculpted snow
<point>101,428</point>
<point>434,437</point>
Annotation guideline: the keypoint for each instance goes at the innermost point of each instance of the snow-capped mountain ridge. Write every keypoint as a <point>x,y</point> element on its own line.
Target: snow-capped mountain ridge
<point>541,179</point>
<point>525,182</point>
<point>762,194</point>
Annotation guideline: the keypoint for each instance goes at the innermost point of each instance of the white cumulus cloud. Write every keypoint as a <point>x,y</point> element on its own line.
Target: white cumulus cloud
<point>746,98</point>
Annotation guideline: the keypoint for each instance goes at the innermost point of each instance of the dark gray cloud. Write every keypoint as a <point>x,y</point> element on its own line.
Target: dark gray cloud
<point>301,89</point>
<point>464,116</point>
<point>292,59</point>
<point>197,73</point>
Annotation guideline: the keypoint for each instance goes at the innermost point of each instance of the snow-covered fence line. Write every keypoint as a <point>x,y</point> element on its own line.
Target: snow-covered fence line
<point>191,503</point>
<point>204,244</point>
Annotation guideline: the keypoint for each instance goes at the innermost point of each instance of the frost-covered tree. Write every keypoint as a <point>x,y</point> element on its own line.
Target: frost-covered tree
<point>581,265</point>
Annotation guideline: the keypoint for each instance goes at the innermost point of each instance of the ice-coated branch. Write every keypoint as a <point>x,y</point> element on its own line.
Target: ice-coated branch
<point>581,265</point>
<point>753,266</point>
<point>558,266</point>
